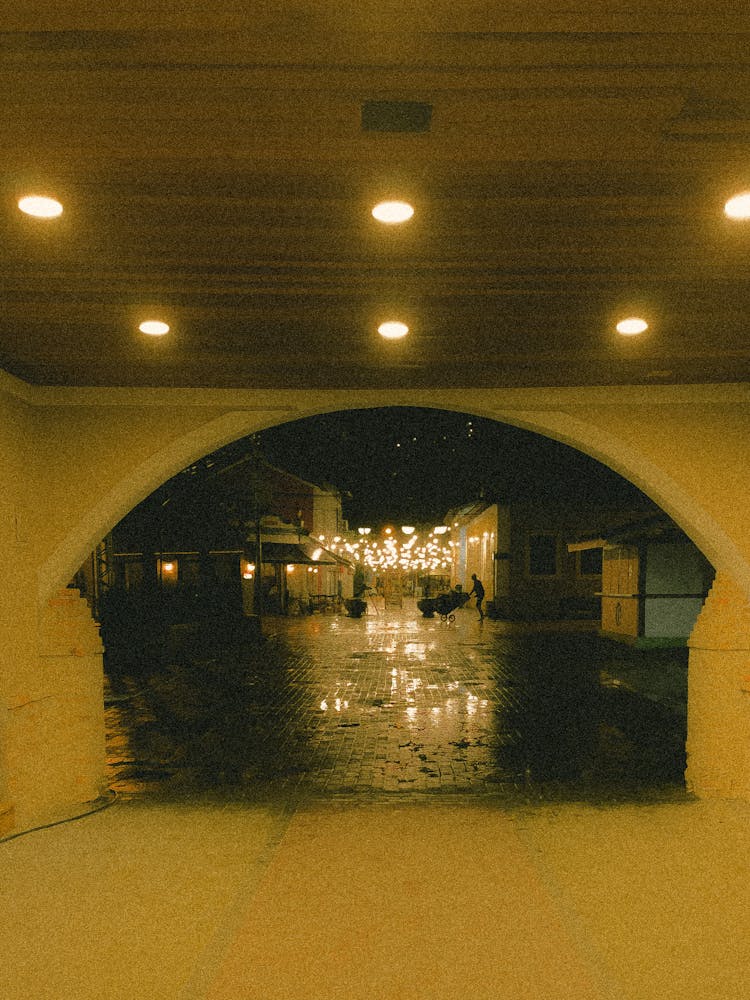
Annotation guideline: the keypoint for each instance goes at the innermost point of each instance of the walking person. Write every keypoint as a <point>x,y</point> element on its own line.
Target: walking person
<point>478,590</point>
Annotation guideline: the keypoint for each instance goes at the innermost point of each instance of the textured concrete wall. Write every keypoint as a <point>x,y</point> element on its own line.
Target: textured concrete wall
<point>718,742</point>
<point>55,737</point>
<point>74,461</point>
<point>18,583</point>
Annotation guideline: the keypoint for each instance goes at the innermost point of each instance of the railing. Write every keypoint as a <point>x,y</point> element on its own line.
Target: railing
<point>315,604</point>
<point>326,603</point>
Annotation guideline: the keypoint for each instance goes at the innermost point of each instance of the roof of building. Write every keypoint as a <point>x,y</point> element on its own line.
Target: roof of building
<point>628,529</point>
<point>302,553</point>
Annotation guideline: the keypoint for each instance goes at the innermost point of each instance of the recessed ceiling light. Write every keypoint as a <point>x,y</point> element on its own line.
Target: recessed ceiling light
<point>154,327</point>
<point>738,207</point>
<point>40,207</point>
<point>632,325</point>
<point>393,211</point>
<point>393,330</point>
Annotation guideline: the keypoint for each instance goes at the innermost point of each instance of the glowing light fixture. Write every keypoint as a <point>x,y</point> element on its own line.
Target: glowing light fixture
<point>408,529</point>
<point>393,212</point>
<point>631,326</point>
<point>738,207</point>
<point>154,327</point>
<point>441,529</point>
<point>393,330</point>
<point>40,207</point>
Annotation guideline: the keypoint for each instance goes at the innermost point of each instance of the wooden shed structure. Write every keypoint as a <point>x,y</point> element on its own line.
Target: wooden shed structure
<point>654,580</point>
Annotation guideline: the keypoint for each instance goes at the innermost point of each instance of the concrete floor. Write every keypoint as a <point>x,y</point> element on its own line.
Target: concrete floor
<point>377,871</point>
<point>380,898</point>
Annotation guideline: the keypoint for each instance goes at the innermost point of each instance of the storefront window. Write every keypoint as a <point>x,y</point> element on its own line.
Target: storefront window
<point>543,555</point>
<point>590,562</point>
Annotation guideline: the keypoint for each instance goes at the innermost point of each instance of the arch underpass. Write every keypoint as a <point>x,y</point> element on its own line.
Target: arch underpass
<point>76,460</point>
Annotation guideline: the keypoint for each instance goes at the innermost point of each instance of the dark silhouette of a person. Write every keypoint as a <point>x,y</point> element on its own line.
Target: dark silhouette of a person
<point>478,590</point>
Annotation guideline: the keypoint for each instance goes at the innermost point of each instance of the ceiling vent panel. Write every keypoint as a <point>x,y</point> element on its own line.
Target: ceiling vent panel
<point>396,116</point>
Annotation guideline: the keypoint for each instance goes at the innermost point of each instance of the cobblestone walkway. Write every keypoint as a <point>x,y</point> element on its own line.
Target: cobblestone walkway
<point>394,702</point>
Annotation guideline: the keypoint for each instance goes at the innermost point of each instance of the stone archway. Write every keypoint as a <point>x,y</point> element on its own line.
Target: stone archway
<point>609,448</point>
<point>79,459</point>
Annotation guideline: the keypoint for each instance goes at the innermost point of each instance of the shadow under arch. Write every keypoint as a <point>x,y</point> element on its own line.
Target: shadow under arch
<point>557,424</point>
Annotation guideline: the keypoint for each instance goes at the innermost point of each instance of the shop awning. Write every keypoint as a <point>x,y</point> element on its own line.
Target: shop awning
<point>588,543</point>
<point>290,554</point>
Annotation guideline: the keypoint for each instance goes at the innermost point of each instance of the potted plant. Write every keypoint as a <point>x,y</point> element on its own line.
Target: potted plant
<point>355,607</point>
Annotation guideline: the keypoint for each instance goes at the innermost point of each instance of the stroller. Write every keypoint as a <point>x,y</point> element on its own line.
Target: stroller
<point>443,604</point>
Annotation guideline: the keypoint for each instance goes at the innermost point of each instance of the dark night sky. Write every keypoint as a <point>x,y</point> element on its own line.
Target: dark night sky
<point>407,465</point>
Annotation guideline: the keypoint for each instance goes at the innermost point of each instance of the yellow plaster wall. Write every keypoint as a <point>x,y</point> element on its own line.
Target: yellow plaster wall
<point>18,631</point>
<point>74,461</point>
<point>53,732</point>
<point>100,451</point>
<point>718,738</point>
<point>484,523</point>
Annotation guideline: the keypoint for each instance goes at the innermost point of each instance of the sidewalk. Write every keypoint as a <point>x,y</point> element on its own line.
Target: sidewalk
<point>379,900</point>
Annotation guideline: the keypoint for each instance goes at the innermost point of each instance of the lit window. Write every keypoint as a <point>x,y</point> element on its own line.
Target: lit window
<point>168,570</point>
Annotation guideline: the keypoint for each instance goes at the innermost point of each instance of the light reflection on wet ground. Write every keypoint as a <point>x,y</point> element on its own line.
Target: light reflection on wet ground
<point>394,703</point>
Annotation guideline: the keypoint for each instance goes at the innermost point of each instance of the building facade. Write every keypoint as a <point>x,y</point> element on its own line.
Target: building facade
<point>197,545</point>
<point>519,553</point>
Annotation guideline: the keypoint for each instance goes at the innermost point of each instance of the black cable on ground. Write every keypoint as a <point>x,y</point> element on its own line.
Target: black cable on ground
<point>103,802</point>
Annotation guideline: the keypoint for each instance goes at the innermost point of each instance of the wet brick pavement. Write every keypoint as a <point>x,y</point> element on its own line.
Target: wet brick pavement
<point>394,702</point>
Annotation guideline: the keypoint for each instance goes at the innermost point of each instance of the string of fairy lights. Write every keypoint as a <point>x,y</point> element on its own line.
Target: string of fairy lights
<point>405,550</point>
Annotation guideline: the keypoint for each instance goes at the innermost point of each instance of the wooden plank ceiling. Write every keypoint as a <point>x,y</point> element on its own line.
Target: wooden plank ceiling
<point>215,172</point>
